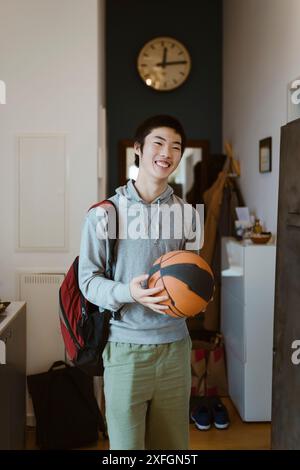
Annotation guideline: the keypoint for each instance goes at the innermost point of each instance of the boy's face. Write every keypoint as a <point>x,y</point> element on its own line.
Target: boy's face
<point>161,153</point>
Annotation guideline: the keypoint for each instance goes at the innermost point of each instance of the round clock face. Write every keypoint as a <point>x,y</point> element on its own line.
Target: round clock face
<point>164,63</point>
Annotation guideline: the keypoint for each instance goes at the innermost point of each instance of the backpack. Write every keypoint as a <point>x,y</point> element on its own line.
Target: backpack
<point>65,408</point>
<point>84,328</point>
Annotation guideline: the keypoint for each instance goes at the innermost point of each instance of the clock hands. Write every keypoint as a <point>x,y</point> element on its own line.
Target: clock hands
<point>164,62</point>
<point>164,59</point>
<point>174,62</point>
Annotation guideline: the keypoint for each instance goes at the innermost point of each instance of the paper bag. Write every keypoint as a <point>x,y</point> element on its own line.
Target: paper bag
<point>208,365</point>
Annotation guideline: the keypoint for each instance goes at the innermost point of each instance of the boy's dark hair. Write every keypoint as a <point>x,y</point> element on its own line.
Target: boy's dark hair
<point>161,120</point>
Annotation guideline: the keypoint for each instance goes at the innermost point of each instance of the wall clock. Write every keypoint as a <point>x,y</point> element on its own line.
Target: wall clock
<point>164,63</point>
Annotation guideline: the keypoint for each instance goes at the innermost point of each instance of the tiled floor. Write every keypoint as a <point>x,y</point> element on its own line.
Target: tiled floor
<point>239,436</point>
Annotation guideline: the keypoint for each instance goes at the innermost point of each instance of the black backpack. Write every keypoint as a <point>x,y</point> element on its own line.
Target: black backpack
<point>84,329</point>
<point>66,411</point>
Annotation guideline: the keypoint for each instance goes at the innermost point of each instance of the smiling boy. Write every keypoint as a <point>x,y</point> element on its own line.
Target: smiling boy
<point>147,376</point>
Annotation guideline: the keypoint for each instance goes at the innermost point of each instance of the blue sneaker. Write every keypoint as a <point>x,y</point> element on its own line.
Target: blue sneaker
<point>201,415</point>
<point>219,413</point>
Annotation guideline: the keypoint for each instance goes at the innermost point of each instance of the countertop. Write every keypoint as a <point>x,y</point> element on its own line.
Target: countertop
<point>10,312</point>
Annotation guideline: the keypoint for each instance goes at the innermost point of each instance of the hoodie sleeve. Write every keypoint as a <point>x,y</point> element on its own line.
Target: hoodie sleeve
<point>105,293</point>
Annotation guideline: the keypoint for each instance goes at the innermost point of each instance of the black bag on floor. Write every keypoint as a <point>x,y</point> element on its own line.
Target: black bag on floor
<point>66,411</point>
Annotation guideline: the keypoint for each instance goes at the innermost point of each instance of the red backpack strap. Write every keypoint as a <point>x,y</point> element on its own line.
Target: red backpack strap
<point>102,203</point>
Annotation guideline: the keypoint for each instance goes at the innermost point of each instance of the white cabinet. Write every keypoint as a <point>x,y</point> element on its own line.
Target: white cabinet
<point>247,312</point>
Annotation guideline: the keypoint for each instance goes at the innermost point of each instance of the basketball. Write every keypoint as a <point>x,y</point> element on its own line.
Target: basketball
<point>187,280</point>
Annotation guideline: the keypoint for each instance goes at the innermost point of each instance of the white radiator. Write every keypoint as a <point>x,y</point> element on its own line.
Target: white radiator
<point>44,339</point>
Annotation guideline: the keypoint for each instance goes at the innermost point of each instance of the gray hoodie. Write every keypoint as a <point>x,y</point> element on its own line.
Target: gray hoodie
<point>134,256</point>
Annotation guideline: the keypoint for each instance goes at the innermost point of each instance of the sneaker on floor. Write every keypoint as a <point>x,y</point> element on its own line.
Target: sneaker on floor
<point>219,412</point>
<point>195,402</point>
<point>201,416</point>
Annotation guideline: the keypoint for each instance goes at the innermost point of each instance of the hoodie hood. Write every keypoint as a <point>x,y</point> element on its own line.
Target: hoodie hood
<point>130,192</point>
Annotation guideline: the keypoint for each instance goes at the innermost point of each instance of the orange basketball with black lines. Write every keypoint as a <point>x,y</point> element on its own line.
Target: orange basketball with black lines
<point>187,280</point>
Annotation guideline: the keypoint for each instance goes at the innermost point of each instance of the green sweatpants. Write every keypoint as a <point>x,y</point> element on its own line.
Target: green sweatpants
<point>147,391</point>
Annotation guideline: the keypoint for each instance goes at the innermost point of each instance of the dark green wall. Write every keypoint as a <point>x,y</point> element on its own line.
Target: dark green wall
<point>197,103</point>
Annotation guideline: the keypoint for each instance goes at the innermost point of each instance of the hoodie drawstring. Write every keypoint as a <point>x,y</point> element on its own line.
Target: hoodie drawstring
<point>157,224</point>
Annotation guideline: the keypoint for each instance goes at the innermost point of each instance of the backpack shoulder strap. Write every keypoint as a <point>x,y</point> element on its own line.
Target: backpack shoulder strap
<point>105,202</point>
<point>112,214</point>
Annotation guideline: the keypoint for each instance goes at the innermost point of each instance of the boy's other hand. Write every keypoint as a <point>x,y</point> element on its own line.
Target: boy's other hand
<point>146,296</point>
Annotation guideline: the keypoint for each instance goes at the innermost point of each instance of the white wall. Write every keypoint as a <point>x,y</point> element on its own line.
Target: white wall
<point>260,57</point>
<point>49,61</point>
